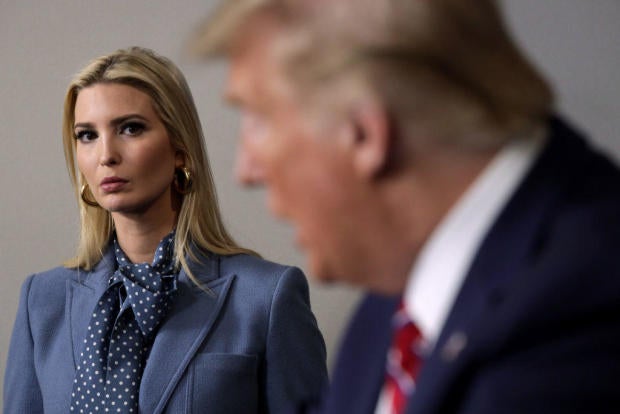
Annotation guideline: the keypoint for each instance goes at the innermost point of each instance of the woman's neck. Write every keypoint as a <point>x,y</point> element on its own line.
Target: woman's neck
<point>139,239</point>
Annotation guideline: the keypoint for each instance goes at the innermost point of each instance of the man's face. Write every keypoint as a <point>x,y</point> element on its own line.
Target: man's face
<point>300,159</point>
<point>358,224</point>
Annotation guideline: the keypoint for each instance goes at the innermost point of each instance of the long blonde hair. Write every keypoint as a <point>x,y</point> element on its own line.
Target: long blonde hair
<point>199,224</point>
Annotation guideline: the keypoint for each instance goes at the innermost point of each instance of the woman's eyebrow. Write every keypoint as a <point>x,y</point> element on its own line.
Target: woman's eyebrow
<point>114,122</point>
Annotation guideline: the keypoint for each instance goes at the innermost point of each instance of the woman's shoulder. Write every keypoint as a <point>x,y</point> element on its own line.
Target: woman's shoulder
<point>44,291</point>
<point>261,274</point>
<point>249,266</point>
<point>52,277</point>
<point>271,292</point>
<point>50,280</point>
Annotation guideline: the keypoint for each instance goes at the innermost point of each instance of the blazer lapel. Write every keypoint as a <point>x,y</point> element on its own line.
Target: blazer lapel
<point>472,324</point>
<point>82,296</point>
<point>192,316</point>
<point>360,369</point>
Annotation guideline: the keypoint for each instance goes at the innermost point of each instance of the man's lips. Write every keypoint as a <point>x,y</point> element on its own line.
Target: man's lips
<point>112,184</point>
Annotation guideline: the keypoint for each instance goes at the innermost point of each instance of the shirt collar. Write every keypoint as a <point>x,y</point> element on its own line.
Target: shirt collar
<point>443,262</point>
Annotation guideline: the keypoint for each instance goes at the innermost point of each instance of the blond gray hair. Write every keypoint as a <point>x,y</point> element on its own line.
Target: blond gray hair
<point>443,67</point>
<point>199,222</point>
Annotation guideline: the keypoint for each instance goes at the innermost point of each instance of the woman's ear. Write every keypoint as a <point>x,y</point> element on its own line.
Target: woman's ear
<point>179,160</point>
<point>372,140</point>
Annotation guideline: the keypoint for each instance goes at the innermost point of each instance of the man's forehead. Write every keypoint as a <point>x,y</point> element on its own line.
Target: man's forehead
<point>265,30</point>
<point>256,69</point>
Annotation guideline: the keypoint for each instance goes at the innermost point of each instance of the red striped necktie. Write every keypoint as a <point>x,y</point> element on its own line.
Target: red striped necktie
<point>403,361</point>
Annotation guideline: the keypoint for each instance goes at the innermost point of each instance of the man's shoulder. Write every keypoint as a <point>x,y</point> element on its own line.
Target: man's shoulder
<point>571,149</point>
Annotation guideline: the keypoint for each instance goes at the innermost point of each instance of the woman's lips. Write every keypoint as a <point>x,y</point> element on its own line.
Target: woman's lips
<point>112,184</point>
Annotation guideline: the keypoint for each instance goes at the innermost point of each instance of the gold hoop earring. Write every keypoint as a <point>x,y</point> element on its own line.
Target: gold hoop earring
<point>84,196</point>
<point>183,180</point>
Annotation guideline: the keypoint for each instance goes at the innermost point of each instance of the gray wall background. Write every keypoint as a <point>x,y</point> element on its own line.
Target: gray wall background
<point>42,43</point>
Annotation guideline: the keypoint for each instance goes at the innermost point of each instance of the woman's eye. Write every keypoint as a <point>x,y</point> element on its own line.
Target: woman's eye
<point>85,135</point>
<point>132,128</point>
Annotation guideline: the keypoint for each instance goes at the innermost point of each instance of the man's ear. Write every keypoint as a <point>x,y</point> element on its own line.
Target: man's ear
<point>372,139</point>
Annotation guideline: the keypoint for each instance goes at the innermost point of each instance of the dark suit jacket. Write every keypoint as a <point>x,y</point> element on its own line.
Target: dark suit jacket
<point>253,346</point>
<point>536,325</point>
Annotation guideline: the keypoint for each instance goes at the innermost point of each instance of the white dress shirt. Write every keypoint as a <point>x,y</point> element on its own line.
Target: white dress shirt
<point>443,262</point>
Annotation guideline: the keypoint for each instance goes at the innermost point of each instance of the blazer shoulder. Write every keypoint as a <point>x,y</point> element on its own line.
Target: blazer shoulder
<point>262,281</point>
<point>50,281</point>
<point>246,266</point>
<point>47,289</point>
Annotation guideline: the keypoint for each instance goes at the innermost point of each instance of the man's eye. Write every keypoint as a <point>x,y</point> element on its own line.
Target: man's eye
<point>85,135</point>
<point>132,128</point>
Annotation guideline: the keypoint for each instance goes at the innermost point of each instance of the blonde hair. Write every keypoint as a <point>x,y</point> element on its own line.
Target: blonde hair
<point>199,224</point>
<point>447,68</point>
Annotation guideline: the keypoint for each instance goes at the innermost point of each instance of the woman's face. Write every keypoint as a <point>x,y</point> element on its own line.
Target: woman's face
<point>124,152</point>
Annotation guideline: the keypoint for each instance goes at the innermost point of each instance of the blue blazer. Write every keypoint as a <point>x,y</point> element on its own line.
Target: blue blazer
<point>252,346</point>
<point>536,325</point>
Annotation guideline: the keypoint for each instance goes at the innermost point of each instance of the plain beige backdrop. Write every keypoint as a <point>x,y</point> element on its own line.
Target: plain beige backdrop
<point>42,43</point>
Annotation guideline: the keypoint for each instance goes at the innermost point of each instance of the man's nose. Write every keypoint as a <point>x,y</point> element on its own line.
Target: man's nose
<point>248,170</point>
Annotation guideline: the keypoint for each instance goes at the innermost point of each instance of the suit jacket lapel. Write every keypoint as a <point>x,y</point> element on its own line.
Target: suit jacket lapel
<point>360,369</point>
<point>504,253</point>
<point>191,318</point>
<point>82,296</point>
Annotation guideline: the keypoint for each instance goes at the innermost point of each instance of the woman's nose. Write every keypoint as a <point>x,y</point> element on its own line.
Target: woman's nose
<point>108,150</point>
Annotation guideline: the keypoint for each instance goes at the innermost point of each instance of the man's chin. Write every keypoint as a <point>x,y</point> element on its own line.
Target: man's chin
<point>321,273</point>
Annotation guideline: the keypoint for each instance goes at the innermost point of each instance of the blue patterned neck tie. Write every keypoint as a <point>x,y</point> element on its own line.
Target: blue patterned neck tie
<point>121,331</point>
